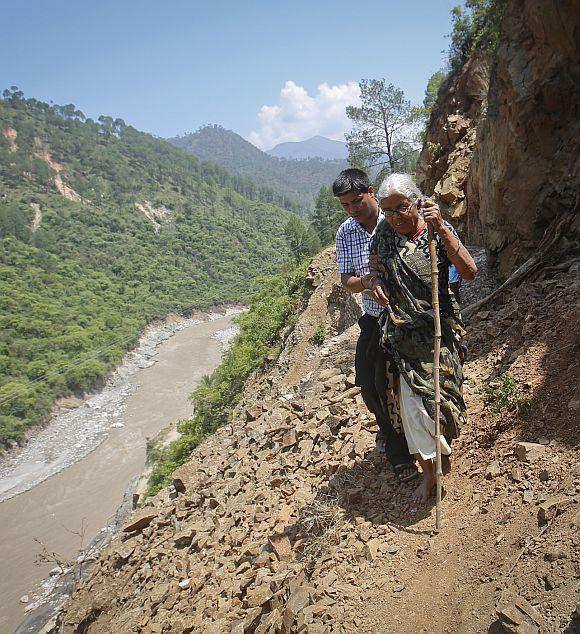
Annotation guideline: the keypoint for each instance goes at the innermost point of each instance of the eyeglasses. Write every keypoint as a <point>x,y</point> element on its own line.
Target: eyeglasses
<point>402,210</point>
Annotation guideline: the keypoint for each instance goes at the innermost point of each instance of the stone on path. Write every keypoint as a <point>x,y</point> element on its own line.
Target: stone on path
<point>549,508</point>
<point>529,451</point>
<point>281,546</point>
<point>493,470</point>
<point>517,616</point>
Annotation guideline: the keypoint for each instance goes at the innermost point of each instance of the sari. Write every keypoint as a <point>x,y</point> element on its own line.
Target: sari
<point>407,327</point>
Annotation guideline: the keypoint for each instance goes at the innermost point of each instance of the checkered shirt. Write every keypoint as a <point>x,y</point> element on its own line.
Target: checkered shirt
<point>352,253</point>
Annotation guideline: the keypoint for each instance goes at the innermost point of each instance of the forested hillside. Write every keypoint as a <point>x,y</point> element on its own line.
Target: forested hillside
<point>102,229</point>
<point>296,180</point>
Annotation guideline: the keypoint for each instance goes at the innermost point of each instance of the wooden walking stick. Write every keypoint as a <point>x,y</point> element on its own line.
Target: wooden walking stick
<point>436,356</point>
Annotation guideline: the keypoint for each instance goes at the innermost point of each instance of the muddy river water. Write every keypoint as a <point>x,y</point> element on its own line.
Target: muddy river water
<point>82,498</point>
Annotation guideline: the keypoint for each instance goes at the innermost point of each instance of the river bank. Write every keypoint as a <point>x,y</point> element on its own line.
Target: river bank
<point>80,501</point>
<point>71,434</point>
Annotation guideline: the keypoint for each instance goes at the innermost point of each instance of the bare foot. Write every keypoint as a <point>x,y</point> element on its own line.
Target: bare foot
<point>425,490</point>
<point>427,487</point>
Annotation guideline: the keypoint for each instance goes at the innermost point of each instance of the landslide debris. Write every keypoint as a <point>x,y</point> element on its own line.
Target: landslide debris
<point>287,520</point>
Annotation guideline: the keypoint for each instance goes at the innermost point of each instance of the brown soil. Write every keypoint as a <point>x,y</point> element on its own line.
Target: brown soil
<point>43,152</point>
<point>10,135</point>
<point>288,520</point>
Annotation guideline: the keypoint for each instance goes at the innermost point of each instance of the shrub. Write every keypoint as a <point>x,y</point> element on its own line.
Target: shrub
<point>506,394</point>
<point>436,150</point>
<point>319,334</point>
<point>476,25</point>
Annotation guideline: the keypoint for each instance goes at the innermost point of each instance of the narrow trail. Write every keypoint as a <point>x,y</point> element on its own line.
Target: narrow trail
<point>289,521</point>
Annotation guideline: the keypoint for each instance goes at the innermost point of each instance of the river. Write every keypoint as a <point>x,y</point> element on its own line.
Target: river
<point>82,499</point>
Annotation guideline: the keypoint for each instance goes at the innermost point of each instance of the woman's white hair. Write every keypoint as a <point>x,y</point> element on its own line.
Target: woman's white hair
<point>400,184</point>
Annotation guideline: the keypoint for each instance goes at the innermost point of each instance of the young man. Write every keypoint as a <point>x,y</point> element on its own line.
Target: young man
<point>353,188</point>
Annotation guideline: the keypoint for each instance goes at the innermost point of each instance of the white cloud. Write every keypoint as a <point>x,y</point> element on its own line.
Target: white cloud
<point>299,116</point>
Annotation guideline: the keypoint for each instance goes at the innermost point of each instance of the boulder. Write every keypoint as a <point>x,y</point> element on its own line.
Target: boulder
<point>548,509</point>
<point>493,470</point>
<point>529,451</point>
<point>140,519</point>
<point>281,546</point>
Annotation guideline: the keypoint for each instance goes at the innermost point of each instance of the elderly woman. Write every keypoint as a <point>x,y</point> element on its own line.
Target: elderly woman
<point>401,281</point>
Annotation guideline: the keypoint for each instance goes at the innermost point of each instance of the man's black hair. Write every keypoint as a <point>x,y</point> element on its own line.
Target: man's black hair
<point>351,180</point>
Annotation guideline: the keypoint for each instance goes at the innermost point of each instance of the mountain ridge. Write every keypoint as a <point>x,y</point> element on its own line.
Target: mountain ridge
<point>296,180</point>
<point>102,229</point>
<point>315,147</point>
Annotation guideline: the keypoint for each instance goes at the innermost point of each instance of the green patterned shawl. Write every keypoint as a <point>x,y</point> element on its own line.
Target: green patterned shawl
<point>407,328</point>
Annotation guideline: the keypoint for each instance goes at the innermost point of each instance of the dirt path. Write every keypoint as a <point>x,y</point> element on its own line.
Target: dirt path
<point>289,521</point>
<point>494,546</point>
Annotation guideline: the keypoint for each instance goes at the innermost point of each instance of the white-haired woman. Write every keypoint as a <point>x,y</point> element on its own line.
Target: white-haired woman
<point>401,279</point>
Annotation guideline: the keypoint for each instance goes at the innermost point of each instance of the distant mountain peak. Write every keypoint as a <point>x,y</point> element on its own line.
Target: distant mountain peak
<point>317,146</point>
<point>298,181</point>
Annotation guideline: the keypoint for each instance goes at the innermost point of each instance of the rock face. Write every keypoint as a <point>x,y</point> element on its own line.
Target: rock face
<point>508,156</point>
<point>525,168</point>
<point>443,165</point>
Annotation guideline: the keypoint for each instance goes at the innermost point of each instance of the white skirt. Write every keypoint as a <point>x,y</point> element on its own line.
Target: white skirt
<point>419,427</point>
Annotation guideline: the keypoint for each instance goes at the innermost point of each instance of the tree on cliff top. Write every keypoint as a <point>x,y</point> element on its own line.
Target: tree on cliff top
<point>475,25</point>
<point>384,127</point>
<point>433,85</point>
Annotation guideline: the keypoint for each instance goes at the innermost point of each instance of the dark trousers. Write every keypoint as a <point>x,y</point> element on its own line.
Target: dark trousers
<point>371,377</point>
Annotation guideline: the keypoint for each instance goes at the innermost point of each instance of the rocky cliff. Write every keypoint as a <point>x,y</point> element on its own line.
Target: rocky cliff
<point>288,520</point>
<point>505,160</point>
<point>444,162</point>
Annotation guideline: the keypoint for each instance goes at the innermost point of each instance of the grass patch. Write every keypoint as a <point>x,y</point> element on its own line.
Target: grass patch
<point>436,150</point>
<point>319,334</point>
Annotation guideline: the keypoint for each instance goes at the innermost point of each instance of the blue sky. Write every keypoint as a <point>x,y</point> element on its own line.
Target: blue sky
<point>255,67</point>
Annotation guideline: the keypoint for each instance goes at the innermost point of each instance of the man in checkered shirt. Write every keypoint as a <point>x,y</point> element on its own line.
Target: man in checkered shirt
<point>353,188</point>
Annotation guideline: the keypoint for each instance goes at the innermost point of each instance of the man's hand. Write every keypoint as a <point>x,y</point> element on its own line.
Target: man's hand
<point>380,295</point>
<point>373,287</point>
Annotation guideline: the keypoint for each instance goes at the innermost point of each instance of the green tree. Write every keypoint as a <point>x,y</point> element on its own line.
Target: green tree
<point>302,238</point>
<point>14,221</point>
<point>405,155</point>
<point>328,215</point>
<point>477,24</point>
<point>431,91</point>
<point>424,111</point>
<point>384,119</point>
